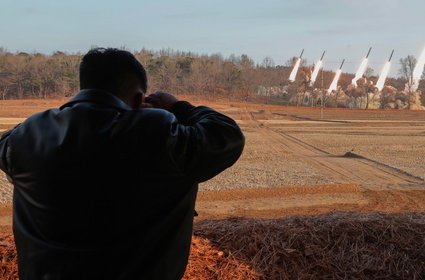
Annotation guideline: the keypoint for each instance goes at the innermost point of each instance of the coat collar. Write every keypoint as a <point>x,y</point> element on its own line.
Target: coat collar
<point>97,96</point>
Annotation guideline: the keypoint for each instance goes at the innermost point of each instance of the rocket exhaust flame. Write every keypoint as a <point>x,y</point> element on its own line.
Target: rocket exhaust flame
<point>294,72</point>
<point>316,70</point>
<point>417,72</point>
<point>384,73</point>
<point>334,83</point>
<point>383,76</point>
<point>361,70</point>
<point>317,67</point>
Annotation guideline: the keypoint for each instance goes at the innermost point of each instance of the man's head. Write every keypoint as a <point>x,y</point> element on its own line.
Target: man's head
<point>116,71</point>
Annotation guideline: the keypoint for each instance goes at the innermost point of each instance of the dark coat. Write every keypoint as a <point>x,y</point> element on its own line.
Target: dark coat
<point>102,191</point>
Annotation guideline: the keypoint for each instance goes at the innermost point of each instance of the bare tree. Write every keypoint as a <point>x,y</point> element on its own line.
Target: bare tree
<point>35,75</point>
<point>268,62</point>
<point>291,62</point>
<point>3,51</point>
<point>368,85</point>
<point>406,71</point>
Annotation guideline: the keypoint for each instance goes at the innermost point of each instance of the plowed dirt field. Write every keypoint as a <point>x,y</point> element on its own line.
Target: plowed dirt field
<point>298,160</point>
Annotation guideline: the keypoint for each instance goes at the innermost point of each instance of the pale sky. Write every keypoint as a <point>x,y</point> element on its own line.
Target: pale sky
<point>278,29</point>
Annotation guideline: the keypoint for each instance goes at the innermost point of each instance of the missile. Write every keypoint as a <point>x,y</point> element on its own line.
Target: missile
<point>322,55</point>
<point>391,56</point>
<point>301,55</point>
<point>368,52</point>
<point>340,67</point>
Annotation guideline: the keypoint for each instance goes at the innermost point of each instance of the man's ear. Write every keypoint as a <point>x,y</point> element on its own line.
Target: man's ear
<point>136,101</point>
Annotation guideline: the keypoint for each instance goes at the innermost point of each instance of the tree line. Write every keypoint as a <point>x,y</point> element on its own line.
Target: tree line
<point>36,75</point>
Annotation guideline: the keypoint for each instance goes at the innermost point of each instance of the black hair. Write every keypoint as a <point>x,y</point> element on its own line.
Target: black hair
<point>107,68</point>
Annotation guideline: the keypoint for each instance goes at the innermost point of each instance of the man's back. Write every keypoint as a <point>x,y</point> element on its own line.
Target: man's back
<point>106,192</point>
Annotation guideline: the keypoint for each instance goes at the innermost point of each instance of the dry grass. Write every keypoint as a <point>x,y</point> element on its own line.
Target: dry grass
<point>331,246</point>
<point>339,245</point>
<point>8,265</point>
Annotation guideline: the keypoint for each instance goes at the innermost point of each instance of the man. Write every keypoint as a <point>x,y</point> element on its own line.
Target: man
<point>105,186</point>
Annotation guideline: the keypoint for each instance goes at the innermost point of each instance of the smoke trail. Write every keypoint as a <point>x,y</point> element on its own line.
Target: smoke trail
<point>334,83</point>
<point>383,76</point>
<point>417,72</point>
<point>317,67</point>
<point>295,70</point>
<point>360,72</point>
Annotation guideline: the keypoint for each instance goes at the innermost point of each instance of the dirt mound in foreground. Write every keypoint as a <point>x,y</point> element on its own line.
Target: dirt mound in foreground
<point>338,245</point>
<point>8,265</point>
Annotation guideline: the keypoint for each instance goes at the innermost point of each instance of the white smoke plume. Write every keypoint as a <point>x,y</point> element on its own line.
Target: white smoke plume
<point>334,83</point>
<point>384,73</point>
<point>417,72</point>
<point>360,72</point>
<point>295,70</point>
<point>317,67</point>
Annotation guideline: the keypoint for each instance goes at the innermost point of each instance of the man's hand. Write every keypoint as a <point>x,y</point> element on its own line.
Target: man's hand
<point>161,99</point>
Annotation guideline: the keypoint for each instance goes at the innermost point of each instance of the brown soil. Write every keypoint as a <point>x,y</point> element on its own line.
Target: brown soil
<point>297,161</point>
<point>354,183</point>
<point>289,201</point>
<point>283,172</point>
<point>330,246</point>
